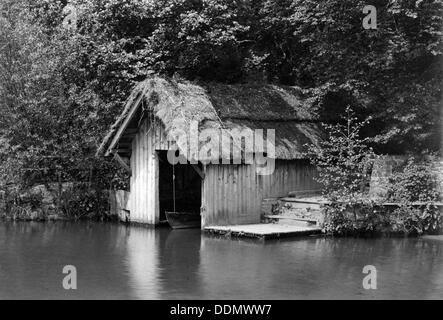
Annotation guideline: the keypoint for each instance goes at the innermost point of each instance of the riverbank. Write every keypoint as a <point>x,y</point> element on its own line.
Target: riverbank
<point>67,201</point>
<point>35,217</point>
<point>360,219</point>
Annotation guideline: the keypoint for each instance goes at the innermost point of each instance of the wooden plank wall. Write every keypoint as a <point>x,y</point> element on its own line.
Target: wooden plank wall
<point>143,200</point>
<point>232,194</point>
<point>289,175</point>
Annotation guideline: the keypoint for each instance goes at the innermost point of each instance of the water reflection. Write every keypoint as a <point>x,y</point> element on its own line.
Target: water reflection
<point>118,262</point>
<point>142,262</point>
<point>180,261</point>
<point>324,268</point>
<point>33,256</point>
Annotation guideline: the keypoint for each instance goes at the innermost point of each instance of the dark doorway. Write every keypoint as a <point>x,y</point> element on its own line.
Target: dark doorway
<point>187,186</point>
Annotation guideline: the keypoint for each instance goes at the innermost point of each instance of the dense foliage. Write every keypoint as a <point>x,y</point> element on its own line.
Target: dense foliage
<point>415,180</point>
<point>344,161</point>
<point>67,66</point>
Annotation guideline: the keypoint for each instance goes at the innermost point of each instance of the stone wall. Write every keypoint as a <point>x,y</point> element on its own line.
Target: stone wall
<point>437,167</point>
<point>383,168</point>
<point>381,171</point>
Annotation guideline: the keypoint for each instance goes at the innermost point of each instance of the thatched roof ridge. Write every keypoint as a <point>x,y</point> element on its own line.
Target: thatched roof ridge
<point>220,106</point>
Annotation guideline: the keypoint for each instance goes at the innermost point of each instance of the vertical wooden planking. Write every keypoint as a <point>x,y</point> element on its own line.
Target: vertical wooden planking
<point>150,182</point>
<point>143,180</point>
<point>134,215</point>
<point>132,179</point>
<point>208,186</point>
<point>230,195</point>
<point>140,191</point>
<point>142,173</point>
<point>203,201</point>
<point>245,194</point>
<point>288,176</point>
<point>156,194</point>
<point>240,206</point>
<point>151,175</point>
<point>213,194</point>
<point>144,202</point>
<point>153,182</point>
<point>224,190</point>
<point>139,178</point>
<point>146,177</point>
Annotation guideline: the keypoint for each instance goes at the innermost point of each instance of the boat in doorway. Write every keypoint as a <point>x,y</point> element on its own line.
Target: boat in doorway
<point>183,220</point>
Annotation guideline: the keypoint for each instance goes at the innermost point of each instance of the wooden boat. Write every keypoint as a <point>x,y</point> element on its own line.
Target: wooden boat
<point>182,220</point>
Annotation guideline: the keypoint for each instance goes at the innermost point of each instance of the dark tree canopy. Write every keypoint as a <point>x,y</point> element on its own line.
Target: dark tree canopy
<point>67,66</point>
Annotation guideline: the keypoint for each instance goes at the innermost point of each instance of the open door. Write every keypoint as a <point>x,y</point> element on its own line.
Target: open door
<point>182,195</point>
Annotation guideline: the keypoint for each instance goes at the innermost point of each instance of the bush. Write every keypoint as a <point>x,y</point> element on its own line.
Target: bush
<point>344,162</point>
<point>355,218</point>
<point>414,181</point>
<point>80,201</point>
<point>22,204</point>
<point>416,220</point>
<point>411,183</point>
<point>369,218</point>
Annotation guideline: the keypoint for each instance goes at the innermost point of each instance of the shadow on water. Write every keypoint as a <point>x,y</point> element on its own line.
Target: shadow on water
<point>118,262</point>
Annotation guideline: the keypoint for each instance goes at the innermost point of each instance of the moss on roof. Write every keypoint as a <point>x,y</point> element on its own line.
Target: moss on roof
<point>220,106</point>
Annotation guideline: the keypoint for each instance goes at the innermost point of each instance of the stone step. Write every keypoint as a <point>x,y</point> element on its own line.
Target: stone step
<point>307,214</point>
<point>304,193</point>
<point>300,212</point>
<point>293,203</point>
<point>289,222</point>
<point>291,218</point>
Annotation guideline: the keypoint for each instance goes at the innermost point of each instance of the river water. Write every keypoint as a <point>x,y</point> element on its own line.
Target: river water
<point>118,262</point>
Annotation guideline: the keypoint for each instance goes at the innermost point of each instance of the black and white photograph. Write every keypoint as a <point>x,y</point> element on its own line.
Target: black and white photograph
<point>221,156</point>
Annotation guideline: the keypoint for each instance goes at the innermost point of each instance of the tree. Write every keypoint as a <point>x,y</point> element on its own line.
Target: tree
<point>392,73</point>
<point>67,67</point>
<point>344,160</point>
<point>49,126</point>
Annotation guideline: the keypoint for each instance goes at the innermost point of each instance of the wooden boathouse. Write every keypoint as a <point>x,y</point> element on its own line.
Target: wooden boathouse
<point>156,119</point>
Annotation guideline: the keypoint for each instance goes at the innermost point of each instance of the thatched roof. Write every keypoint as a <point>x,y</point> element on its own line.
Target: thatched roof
<point>219,107</point>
